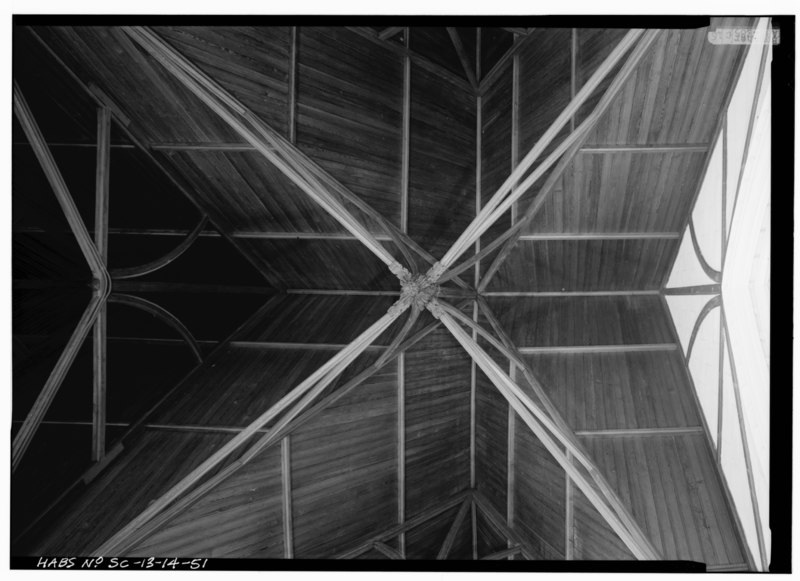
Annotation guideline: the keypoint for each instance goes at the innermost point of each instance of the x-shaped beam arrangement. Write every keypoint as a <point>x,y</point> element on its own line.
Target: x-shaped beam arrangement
<point>419,291</point>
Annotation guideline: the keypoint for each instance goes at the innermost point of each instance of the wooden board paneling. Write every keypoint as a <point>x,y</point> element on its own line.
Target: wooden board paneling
<point>538,495</point>
<point>249,192</point>
<point>606,391</point>
<point>586,320</point>
<point>585,265</point>
<point>349,113</point>
<point>159,107</point>
<point>442,161</point>
<point>242,385</point>
<point>240,518</point>
<point>462,545</point>
<point>496,163</point>
<point>491,442</point>
<point>676,93</point>
<point>668,483</point>
<point>437,421</point>
<point>594,539</point>
<point>344,470</point>
<point>425,540</point>
<point>136,478</point>
<point>250,62</point>
<point>489,540</point>
<point>320,264</point>
<point>622,192</point>
<point>298,318</point>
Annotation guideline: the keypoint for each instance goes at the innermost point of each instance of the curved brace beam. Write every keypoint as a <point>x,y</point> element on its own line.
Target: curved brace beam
<point>160,313</point>
<point>712,273</point>
<point>712,304</point>
<point>159,263</point>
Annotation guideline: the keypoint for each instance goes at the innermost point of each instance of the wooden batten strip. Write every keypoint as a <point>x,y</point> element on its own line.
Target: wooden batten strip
<point>511,459</point>
<point>292,81</point>
<point>100,331</point>
<point>286,482</point>
<point>401,448</point>
<point>569,516</point>
<point>647,148</point>
<point>599,348</point>
<point>701,289</point>
<point>602,236</point>
<point>406,140</point>
<point>640,432</point>
<point>515,100</point>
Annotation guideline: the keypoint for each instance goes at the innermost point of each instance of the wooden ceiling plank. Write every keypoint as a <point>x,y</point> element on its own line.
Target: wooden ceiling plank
<point>462,56</point>
<point>582,134</point>
<point>286,494</point>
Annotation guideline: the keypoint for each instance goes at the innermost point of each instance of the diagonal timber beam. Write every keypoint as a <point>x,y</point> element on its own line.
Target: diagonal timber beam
<point>301,170</point>
<point>462,56</point>
<point>451,534</point>
<point>555,439</point>
<point>566,150</point>
<point>302,395</point>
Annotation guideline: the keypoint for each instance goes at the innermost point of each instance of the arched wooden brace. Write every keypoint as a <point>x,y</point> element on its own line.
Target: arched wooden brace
<point>160,313</point>
<point>713,303</point>
<point>159,263</point>
<point>712,273</point>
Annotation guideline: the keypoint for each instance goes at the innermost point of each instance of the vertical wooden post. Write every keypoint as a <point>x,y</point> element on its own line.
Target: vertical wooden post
<point>569,525</point>
<point>99,346</point>
<point>474,531</point>
<point>511,462</point>
<point>286,474</point>
<point>724,246</point>
<point>406,135</point>
<point>401,449</point>
<point>573,80</point>
<point>515,123</point>
<point>293,86</point>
